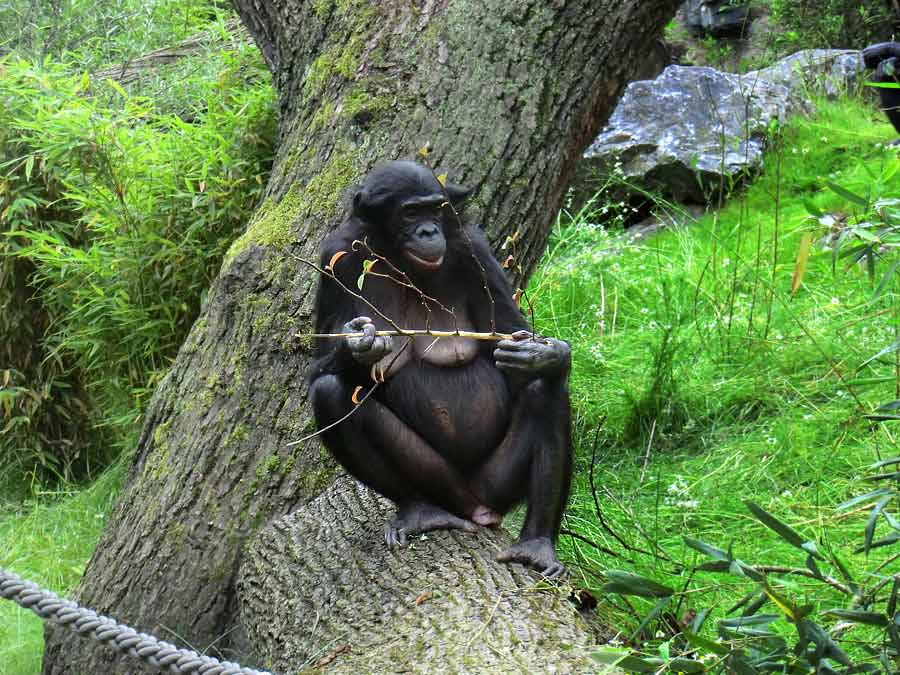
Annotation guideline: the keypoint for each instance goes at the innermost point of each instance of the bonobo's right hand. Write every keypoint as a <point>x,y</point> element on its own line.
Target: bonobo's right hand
<point>369,348</point>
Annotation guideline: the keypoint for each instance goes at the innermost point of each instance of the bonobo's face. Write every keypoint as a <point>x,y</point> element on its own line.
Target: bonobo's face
<point>421,226</point>
<point>407,208</point>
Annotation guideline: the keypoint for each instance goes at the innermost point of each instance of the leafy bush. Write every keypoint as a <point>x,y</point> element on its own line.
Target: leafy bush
<point>93,34</point>
<point>115,218</point>
<point>845,24</point>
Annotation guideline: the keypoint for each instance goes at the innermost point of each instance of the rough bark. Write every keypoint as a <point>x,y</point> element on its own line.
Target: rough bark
<point>508,94</point>
<point>320,586</point>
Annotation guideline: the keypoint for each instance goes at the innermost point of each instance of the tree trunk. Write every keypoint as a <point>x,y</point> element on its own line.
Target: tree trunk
<point>319,585</point>
<point>508,94</point>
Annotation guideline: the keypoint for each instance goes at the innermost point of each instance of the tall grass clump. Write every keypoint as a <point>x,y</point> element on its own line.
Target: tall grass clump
<point>114,217</point>
<point>736,382</point>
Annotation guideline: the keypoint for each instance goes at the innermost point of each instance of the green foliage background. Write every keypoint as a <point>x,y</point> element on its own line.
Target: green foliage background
<point>700,378</point>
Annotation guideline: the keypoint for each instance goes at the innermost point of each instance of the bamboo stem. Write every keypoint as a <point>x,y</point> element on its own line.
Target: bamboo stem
<point>413,332</point>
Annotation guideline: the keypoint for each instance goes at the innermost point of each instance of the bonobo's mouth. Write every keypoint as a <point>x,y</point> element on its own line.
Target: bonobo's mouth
<point>424,263</point>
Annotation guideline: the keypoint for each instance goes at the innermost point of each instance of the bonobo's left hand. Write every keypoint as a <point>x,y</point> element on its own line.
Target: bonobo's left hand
<point>532,357</point>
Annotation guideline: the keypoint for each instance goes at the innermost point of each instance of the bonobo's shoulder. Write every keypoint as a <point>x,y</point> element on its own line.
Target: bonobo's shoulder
<point>342,238</point>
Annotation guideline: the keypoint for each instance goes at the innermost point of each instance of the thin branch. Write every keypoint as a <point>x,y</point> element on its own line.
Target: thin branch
<point>334,424</point>
<point>356,295</point>
<point>410,332</point>
<point>803,572</point>
<point>590,542</point>
<point>404,281</point>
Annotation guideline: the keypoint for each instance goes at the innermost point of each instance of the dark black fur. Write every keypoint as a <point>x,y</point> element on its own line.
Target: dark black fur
<point>883,59</point>
<point>469,440</point>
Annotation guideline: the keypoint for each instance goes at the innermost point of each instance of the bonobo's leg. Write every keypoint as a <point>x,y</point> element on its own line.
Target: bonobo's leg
<point>534,461</point>
<point>385,454</point>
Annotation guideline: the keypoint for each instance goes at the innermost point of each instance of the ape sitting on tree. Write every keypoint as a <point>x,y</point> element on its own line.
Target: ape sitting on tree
<point>458,430</point>
<point>883,59</point>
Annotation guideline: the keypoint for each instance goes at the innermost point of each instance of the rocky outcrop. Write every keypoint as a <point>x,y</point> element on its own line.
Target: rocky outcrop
<point>694,131</point>
<point>826,71</point>
<point>691,131</point>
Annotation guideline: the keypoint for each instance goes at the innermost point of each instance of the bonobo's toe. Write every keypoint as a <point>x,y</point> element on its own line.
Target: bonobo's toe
<point>421,517</point>
<point>538,553</point>
<point>487,517</point>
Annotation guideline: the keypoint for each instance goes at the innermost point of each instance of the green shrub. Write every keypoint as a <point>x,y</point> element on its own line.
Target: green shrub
<point>840,24</point>
<point>94,34</point>
<point>114,219</point>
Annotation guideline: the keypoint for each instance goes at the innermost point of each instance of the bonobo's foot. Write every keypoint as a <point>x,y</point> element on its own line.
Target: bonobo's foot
<point>420,517</point>
<point>487,517</point>
<point>538,553</point>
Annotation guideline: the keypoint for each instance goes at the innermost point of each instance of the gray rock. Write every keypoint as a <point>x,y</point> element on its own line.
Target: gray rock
<point>719,18</point>
<point>691,130</point>
<point>828,71</point>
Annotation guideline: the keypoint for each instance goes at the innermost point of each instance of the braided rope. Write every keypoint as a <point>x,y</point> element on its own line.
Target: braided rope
<point>120,637</point>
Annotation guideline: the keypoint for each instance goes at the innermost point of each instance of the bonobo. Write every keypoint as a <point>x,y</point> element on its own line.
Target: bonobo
<point>883,59</point>
<point>460,430</point>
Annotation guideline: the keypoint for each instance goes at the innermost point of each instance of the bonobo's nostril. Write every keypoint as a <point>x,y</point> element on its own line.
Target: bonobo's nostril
<point>427,230</point>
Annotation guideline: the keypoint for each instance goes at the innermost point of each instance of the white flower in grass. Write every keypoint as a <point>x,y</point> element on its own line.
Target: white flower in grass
<point>644,310</point>
<point>726,262</point>
<point>835,301</point>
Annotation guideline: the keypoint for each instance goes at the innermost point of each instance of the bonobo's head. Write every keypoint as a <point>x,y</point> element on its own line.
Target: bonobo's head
<point>404,205</point>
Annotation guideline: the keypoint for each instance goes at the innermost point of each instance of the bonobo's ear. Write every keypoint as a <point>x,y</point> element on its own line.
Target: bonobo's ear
<point>366,204</point>
<point>457,193</point>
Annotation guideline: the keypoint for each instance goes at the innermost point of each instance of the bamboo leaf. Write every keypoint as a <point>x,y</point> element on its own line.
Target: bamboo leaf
<point>706,549</point>
<point>885,280</point>
<point>860,499</point>
<point>627,583</point>
<point>887,350</point>
<point>800,264</point>
<point>846,194</point>
<point>873,519</point>
<point>860,616</point>
<point>785,531</point>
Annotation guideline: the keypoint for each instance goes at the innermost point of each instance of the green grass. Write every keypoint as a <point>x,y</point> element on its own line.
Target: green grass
<point>711,385</point>
<point>48,541</point>
<point>702,405</point>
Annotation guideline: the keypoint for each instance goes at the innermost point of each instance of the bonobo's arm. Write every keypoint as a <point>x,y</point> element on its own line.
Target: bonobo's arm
<point>526,356</point>
<point>337,312</point>
<point>875,54</point>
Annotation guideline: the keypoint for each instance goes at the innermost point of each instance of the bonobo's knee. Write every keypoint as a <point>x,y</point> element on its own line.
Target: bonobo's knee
<point>329,396</point>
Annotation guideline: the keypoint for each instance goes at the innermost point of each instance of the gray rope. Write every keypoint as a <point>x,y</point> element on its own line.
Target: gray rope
<point>121,638</point>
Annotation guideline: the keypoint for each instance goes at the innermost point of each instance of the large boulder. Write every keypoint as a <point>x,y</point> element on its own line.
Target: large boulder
<point>693,130</point>
<point>826,71</point>
<point>719,18</point>
<point>690,131</point>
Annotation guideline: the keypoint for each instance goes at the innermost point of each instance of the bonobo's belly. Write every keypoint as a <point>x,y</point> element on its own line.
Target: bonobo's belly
<point>461,411</point>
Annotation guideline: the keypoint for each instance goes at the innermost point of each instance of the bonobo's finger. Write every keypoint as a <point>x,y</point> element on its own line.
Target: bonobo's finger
<point>357,323</point>
<point>365,343</point>
<point>515,358</point>
<point>522,335</point>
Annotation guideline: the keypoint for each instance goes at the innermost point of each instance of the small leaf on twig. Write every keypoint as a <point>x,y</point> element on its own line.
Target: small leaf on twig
<point>355,397</point>
<point>425,150</point>
<point>337,256</point>
<point>509,261</point>
<point>517,297</point>
<point>442,179</point>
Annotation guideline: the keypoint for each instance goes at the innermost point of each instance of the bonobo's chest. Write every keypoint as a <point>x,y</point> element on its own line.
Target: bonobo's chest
<point>446,352</point>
